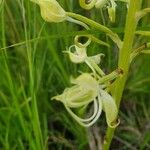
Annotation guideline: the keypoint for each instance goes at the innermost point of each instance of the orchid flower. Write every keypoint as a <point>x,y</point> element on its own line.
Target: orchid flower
<point>85,90</point>
<point>51,11</point>
<point>79,55</point>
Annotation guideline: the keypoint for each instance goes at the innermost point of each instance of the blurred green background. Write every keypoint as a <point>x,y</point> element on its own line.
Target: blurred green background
<point>33,68</point>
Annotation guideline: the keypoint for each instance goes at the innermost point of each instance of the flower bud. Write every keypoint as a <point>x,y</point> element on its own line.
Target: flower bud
<point>51,11</point>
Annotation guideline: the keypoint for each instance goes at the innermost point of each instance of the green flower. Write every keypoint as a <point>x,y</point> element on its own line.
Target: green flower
<point>86,89</point>
<point>79,55</point>
<point>83,92</point>
<point>51,11</point>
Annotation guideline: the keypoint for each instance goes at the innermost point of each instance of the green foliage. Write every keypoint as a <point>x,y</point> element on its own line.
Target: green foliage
<point>33,69</point>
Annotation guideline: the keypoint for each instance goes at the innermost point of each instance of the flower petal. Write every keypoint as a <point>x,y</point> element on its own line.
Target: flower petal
<point>96,58</point>
<point>78,56</point>
<point>51,11</point>
<point>110,108</point>
<point>84,122</point>
<point>86,81</point>
<point>82,93</point>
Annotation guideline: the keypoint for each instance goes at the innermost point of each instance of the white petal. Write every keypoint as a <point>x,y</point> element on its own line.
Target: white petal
<point>51,11</point>
<point>92,119</point>
<point>97,58</point>
<point>78,55</point>
<point>110,109</point>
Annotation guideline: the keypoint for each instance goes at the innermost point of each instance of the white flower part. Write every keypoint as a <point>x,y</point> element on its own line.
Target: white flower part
<point>76,96</point>
<point>78,22</point>
<point>84,91</point>
<point>96,58</point>
<point>51,11</point>
<point>93,64</point>
<point>110,108</point>
<point>89,121</point>
<point>86,81</point>
<point>79,55</point>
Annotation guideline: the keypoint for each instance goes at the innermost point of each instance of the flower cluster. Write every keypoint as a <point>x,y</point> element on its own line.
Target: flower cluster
<point>91,87</point>
<point>88,88</point>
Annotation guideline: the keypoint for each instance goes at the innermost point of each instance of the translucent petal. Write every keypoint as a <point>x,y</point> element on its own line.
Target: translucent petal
<point>94,67</point>
<point>110,108</point>
<point>86,81</point>
<point>94,113</point>
<point>97,58</point>
<point>92,119</point>
<point>84,92</point>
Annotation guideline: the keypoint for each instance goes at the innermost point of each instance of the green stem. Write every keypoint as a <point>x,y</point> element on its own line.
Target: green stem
<point>91,37</point>
<point>124,62</point>
<point>97,26</point>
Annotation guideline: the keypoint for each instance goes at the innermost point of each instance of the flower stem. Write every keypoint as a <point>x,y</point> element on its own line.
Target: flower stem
<point>124,62</point>
<point>97,26</point>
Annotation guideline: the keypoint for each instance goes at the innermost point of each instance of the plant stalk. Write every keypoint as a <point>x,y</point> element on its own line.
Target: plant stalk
<point>97,26</point>
<point>123,63</point>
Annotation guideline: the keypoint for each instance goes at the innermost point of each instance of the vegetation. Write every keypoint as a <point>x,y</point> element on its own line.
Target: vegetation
<point>34,68</point>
